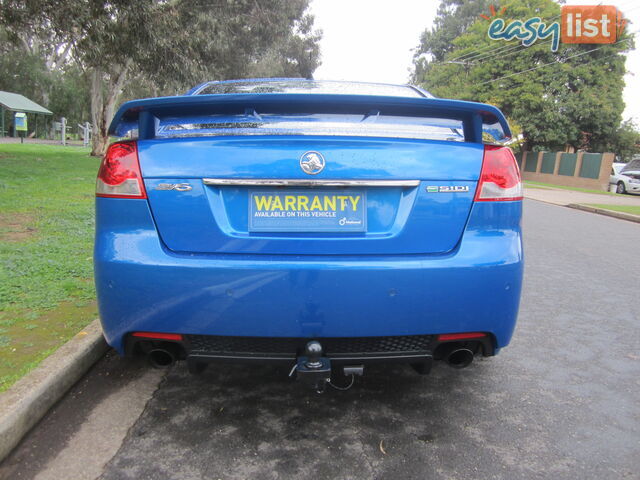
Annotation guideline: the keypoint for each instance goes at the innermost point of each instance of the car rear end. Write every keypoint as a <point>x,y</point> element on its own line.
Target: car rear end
<point>294,223</point>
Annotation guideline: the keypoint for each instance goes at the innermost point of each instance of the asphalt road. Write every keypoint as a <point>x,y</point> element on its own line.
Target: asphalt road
<point>561,402</point>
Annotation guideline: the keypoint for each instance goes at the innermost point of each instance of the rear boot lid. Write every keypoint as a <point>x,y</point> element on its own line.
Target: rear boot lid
<point>248,195</point>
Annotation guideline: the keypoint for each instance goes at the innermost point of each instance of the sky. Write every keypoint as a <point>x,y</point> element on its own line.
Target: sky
<point>372,40</point>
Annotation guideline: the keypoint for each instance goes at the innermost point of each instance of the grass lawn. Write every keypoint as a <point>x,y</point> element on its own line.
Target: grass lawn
<point>46,238</point>
<point>530,184</point>
<point>633,209</point>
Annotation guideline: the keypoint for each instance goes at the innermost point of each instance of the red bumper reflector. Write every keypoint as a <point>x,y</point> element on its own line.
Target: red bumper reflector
<point>159,336</point>
<point>460,336</point>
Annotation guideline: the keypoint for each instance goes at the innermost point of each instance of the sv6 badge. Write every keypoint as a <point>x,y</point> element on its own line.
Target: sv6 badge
<point>180,187</point>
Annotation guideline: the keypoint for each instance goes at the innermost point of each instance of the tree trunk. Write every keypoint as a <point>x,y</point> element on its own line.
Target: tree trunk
<point>105,90</point>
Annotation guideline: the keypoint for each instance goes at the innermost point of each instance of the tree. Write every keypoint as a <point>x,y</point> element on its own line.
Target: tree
<point>626,142</point>
<point>31,70</point>
<point>296,55</point>
<point>559,98</point>
<point>454,17</point>
<point>166,45</point>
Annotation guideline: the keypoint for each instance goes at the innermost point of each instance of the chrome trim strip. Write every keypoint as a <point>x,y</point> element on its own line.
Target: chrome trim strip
<point>285,182</point>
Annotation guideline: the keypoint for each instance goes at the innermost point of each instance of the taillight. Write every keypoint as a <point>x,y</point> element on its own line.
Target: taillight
<point>500,176</point>
<point>119,175</point>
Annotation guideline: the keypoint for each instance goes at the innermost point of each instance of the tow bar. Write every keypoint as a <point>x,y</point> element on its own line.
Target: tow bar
<point>313,369</point>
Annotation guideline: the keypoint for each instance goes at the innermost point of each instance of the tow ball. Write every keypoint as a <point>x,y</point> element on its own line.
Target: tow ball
<point>313,369</point>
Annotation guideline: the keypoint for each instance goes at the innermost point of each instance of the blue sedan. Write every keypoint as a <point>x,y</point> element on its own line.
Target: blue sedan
<point>323,225</point>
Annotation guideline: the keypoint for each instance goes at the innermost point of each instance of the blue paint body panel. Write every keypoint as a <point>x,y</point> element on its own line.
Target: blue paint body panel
<point>142,286</point>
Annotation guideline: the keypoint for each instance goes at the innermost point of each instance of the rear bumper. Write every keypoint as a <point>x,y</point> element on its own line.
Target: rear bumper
<point>142,286</point>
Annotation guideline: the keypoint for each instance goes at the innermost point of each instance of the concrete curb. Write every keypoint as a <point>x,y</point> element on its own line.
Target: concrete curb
<point>609,213</point>
<point>29,399</point>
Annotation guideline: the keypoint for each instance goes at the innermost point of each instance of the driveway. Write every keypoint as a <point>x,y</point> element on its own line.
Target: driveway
<point>561,402</point>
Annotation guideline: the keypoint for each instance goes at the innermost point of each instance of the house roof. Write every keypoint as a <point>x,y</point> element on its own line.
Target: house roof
<point>19,103</point>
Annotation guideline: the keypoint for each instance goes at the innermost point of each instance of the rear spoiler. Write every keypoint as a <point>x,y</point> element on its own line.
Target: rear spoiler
<point>145,115</point>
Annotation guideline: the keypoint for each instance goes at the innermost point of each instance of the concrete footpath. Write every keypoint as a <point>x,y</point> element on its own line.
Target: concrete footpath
<point>41,141</point>
<point>24,404</point>
<point>559,196</point>
<point>80,434</point>
<point>584,201</point>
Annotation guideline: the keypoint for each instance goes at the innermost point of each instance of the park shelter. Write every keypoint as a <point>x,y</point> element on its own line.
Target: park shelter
<point>14,102</point>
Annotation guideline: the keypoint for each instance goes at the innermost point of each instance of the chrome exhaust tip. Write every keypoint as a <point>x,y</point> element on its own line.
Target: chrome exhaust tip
<point>161,358</point>
<point>459,358</point>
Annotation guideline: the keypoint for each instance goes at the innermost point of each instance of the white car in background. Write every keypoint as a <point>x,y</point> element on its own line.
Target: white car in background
<point>625,180</point>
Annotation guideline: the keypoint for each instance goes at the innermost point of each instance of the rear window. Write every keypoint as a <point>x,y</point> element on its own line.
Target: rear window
<point>291,107</point>
<point>309,87</point>
<point>371,125</point>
